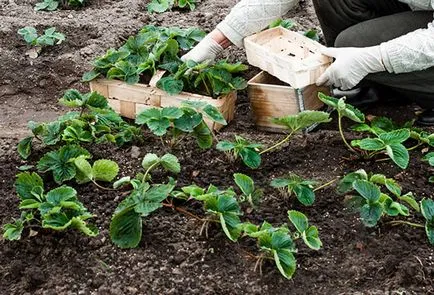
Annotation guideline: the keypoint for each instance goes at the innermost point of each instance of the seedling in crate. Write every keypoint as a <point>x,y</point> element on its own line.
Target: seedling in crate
<point>278,244</point>
<point>205,78</point>
<point>290,24</point>
<point>126,224</point>
<point>141,55</point>
<point>371,201</point>
<point>250,153</point>
<point>159,6</point>
<point>250,195</point>
<point>95,123</point>
<point>178,122</point>
<point>58,209</point>
<point>242,148</point>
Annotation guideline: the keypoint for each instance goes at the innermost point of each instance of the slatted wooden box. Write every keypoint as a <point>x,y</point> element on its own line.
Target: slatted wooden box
<point>128,100</point>
<point>289,56</point>
<point>271,98</point>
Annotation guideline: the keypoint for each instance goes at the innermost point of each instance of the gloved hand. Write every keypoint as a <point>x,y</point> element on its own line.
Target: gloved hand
<point>351,65</point>
<point>207,49</point>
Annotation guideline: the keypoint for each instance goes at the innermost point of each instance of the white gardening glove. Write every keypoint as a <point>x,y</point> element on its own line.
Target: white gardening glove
<point>351,65</point>
<point>207,49</point>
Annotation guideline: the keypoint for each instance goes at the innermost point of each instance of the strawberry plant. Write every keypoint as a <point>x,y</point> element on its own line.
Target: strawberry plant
<point>205,78</point>
<point>302,188</point>
<point>49,38</point>
<point>58,209</point>
<point>249,194</point>
<point>430,159</point>
<point>278,244</point>
<point>367,196</point>
<point>427,209</point>
<point>290,24</point>
<point>344,110</point>
<point>50,5</point>
<point>141,55</point>
<point>241,148</point>
<point>250,153</point>
<point>159,6</point>
<point>101,170</point>
<point>95,123</point>
<point>145,198</point>
<point>178,122</point>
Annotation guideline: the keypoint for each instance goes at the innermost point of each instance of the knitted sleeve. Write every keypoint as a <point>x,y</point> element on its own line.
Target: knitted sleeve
<point>411,52</point>
<point>419,4</point>
<point>251,16</point>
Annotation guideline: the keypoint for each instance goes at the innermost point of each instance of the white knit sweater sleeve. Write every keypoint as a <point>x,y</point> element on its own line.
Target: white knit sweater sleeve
<point>419,4</point>
<point>411,52</point>
<point>251,16</point>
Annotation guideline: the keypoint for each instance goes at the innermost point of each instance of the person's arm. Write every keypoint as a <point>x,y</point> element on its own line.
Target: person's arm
<point>419,4</point>
<point>245,18</point>
<point>408,53</point>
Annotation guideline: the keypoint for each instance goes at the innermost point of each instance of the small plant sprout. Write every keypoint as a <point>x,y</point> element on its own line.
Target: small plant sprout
<point>49,38</point>
<point>178,122</point>
<point>390,143</point>
<point>126,224</point>
<point>101,170</point>
<point>58,209</point>
<point>298,122</point>
<point>48,5</point>
<point>303,189</point>
<point>278,244</point>
<point>430,159</point>
<point>344,110</point>
<point>367,197</point>
<point>220,205</point>
<point>427,209</point>
<point>249,194</point>
<point>309,234</point>
<point>242,148</point>
<point>159,6</point>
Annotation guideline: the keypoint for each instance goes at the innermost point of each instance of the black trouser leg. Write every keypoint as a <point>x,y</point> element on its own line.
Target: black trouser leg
<point>385,21</point>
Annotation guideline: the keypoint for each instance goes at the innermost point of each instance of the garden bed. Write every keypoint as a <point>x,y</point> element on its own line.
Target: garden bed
<point>172,257</point>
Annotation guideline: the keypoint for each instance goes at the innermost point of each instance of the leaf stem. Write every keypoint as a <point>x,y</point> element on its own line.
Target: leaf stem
<point>149,169</point>
<point>102,187</point>
<point>325,184</point>
<point>397,222</point>
<point>277,144</point>
<point>415,147</point>
<point>342,133</point>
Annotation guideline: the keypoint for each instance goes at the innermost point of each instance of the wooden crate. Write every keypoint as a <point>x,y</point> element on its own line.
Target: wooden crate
<point>271,98</point>
<point>128,100</point>
<point>289,56</point>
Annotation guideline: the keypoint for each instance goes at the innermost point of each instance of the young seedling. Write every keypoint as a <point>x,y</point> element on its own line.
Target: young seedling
<point>390,143</point>
<point>61,162</point>
<point>292,25</point>
<point>371,201</point>
<point>278,244</point>
<point>220,205</point>
<point>126,224</point>
<point>178,122</point>
<point>302,188</point>
<point>344,110</point>
<point>430,159</point>
<point>427,209</point>
<point>159,6</point>
<point>250,195</point>
<point>49,38</point>
<point>51,5</point>
<point>101,170</point>
<point>242,148</point>
<point>95,123</point>
<point>58,209</point>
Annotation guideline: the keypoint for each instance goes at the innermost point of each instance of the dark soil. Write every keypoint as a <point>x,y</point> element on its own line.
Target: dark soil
<point>172,257</point>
